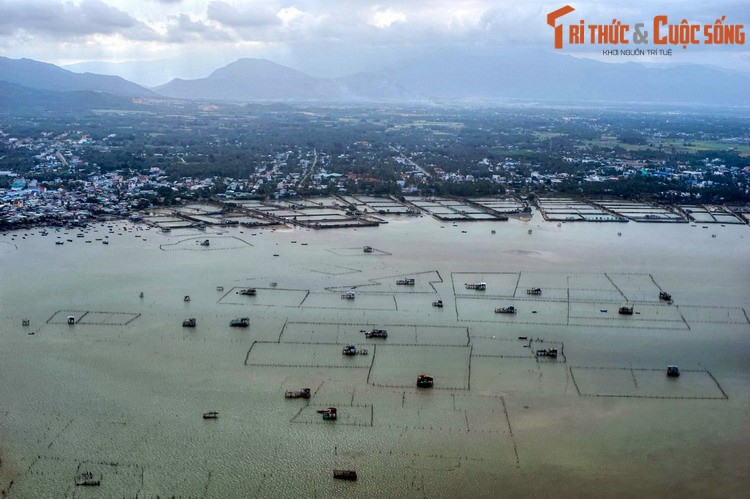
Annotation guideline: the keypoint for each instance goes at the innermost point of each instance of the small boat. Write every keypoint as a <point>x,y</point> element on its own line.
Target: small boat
<point>219,288</point>
<point>275,254</point>
<point>298,394</point>
<point>25,322</point>
<point>59,243</point>
<point>350,350</point>
<point>206,243</point>
<point>479,286</point>
<point>405,282</point>
<point>187,298</point>
<point>534,291</point>
<point>506,310</point>
<point>547,352</point>
<point>105,242</point>
<point>424,381</point>
<point>211,415</point>
<point>345,475</point>
<point>87,479</point>
<point>140,295</point>
<point>663,295</point>
<point>493,231</point>
<point>189,322</point>
<point>673,371</point>
<point>376,333</point>
<point>625,311</point>
<point>349,295</point>
<point>248,292</point>
<point>241,322</point>
<point>367,249</point>
<point>329,414</point>
<point>438,303</point>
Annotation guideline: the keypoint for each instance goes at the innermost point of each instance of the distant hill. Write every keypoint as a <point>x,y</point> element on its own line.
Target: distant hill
<point>496,75</point>
<point>480,75</point>
<point>537,75</point>
<point>146,73</point>
<point>43,76</point>
<point>262,80</point>
<point>250,80</point>
<point>19,99</point>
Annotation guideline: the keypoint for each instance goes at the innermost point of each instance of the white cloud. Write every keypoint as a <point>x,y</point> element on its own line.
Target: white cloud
<point>383,18</point>
<point>317,28</point>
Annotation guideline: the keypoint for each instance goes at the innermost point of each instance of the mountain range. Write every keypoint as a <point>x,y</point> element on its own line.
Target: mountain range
<point>513,75</point>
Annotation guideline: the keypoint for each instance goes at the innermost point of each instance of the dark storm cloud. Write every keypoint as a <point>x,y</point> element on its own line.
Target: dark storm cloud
<point>183,28</point>
<point>55,18</point>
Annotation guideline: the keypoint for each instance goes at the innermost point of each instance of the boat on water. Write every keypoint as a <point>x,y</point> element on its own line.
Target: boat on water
<point>376,333</point>
<point>505,310</point>
<point>206,242</point>
<point>424,381</point>
<point>330,414</point>
<point>241,322</point>
<point>625,311</point>
<point>298,394</point>
<point>534,291</point>
<point>349,295</point>
<point>547,352</point>
<point>59,243</point>
<point>409,281</point>
<point>367,249</point>
<point>663,295</point>
<point>189,322</point>
<point>479,286</point>
<point>248,292</point>
<point>438,303</point>
<point>350,350</point>
<point>673,371</point>
<point>345,475</point>
<point>87,479</point>
<point>211,415</point>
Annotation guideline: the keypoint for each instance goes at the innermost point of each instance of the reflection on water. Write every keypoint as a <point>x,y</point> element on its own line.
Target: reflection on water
<point>121,392</point>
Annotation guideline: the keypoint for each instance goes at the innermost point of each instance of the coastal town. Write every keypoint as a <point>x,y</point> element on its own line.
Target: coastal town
<point>72,176</point>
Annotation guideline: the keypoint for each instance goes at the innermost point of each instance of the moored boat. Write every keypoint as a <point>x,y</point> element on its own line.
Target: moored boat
<point>298,394</point>
<point>424,381</point>
<point>240,322</point>
<point>345,475</point>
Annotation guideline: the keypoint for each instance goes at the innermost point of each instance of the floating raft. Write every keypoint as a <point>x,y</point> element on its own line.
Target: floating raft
<point>345,475</point>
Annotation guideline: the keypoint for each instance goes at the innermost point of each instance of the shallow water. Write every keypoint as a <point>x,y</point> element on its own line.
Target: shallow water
<point>121,392</point>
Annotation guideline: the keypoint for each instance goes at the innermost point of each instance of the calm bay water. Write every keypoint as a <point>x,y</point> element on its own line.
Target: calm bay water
<point>121,393</point>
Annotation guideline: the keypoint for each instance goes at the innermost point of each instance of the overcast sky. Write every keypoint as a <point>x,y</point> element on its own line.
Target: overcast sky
<point>322,37</point>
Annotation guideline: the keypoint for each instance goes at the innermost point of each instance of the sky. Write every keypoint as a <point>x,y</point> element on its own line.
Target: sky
<point>326,37</point>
